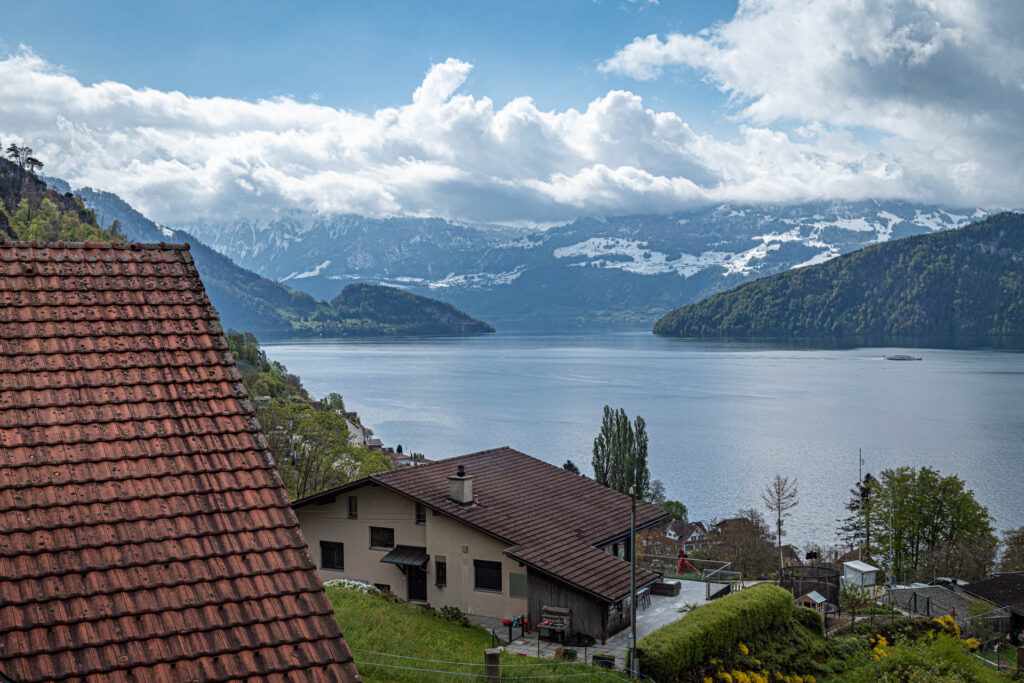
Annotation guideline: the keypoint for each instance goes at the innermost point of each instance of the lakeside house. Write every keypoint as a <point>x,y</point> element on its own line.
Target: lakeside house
<point>688,535</point>
<point>144,532</point>
<point>496,533</point>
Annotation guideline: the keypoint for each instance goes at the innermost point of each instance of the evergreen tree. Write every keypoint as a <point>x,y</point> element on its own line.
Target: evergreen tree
<point>855,528</point>
<point>620,453</point>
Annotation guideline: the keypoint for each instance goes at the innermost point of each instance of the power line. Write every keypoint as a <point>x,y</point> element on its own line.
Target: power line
<point>478,675</point>
<point>442,661</point>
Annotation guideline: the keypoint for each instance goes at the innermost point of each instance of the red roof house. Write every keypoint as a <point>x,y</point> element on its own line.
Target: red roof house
<point>144,531</point>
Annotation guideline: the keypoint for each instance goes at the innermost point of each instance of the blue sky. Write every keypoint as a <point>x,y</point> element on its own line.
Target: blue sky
<point>366,55</point>
<point>523,113</point>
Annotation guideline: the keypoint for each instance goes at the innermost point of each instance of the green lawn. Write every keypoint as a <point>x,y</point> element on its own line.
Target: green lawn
<point>374,624</point>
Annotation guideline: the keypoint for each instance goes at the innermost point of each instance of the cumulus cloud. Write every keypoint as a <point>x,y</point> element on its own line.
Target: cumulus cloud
<point>943,82</point>
<point>446,153</point>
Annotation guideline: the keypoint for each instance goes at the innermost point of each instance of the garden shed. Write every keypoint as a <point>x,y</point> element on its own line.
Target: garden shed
<point>857,573</point>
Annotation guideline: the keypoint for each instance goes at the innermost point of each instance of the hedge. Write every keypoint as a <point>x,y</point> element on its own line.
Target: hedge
<point>712,629</point>
<point>810,618</point>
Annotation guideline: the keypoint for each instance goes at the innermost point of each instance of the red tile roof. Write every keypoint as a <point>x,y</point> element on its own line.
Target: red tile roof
<point>552,519</point>
<point>144,532</point>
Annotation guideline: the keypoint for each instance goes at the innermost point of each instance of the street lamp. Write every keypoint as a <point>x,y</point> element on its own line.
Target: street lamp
<point>632,583</point>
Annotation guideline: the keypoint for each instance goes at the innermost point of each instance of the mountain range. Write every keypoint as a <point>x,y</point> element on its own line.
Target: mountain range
<point>593,270</point>
<point>954,285</point>
<point>253,303</point>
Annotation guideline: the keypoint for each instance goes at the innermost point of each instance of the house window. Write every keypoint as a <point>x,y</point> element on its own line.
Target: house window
<point>382,537</point>
<point>383,587</point>
<point>441,570</point>
<point>332,555</point>
<point>487,576</point>
<point>517,585</point>
<point>421,513</point>
<point>353,507</point>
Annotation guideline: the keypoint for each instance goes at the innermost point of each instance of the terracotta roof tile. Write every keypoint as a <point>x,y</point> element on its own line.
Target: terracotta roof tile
<point>144,532</point>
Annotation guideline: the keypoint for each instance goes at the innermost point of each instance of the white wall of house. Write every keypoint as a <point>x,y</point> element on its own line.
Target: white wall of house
<point>442,536</point>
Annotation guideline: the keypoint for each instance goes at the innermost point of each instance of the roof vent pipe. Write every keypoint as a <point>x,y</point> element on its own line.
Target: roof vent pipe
<point>460,487</point>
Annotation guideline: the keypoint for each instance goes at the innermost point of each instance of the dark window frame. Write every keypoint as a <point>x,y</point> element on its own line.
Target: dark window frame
<point>382,547</point>
<point>441,572</point>
<point>421,514</point>
<point>353,507</point>
<point>329,551</point>
<point>492,572</point>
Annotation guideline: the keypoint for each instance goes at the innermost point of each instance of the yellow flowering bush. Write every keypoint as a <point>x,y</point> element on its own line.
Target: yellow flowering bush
<point>948,624</point>
<point>743,648</point>
<point>972,643</point>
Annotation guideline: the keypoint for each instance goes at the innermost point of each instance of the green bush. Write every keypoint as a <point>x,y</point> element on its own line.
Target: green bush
<point>453,613</point>
<point>712,629</point>
<point>810,618</point>
<point>939,659</point>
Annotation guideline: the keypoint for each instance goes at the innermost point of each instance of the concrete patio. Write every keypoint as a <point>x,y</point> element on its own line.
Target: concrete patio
<point>662,610</point>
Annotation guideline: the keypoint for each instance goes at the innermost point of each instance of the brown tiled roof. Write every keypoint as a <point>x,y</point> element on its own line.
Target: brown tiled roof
<point>1004,590</point>
<point>144,532</point>
<point>551,518</point>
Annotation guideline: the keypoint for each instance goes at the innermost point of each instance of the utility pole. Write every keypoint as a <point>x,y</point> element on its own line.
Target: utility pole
<point>632,584</point>
<point>860,492</point>
<point>892,566</point>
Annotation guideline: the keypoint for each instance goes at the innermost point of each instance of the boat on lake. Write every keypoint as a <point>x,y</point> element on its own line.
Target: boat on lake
<point>901,356</point>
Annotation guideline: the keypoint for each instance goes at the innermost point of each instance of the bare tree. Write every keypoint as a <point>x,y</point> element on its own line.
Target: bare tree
<point>780,496</point>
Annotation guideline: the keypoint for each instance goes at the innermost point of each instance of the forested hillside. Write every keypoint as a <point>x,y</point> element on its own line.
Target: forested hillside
<point>308,440</point>
<point>29,210</point>
<point>964,283</point>
<point>379,310</point>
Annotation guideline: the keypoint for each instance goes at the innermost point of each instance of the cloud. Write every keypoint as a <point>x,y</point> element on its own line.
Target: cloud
<point>446,153</point>
<point>943,82</point>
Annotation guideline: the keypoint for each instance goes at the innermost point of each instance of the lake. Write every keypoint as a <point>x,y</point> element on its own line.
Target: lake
<point>722,417</point>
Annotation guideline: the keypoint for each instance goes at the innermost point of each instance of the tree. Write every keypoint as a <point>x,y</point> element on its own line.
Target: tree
<point>398,449</point>
<point>852,597</point>
<point>780,496</point>
<point>620,453</point>
<point>933,524</point>
<point>656,494</point>
<point>570,466</point>
<point>334,401</point>
<point>1013,551</point>
<point>744,541</point>
<point>675,510</point>
<point>14,152</point>
<point>33,164</point>
<point>855,528</point>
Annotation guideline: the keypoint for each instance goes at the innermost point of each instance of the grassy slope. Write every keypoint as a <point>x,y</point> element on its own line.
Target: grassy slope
<point>374,623</point>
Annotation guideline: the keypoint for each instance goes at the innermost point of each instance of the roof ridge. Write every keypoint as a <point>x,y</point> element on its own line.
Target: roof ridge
<point>34,244</point>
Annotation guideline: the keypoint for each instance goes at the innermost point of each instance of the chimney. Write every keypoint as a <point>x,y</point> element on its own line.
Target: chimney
<point>461,487</point>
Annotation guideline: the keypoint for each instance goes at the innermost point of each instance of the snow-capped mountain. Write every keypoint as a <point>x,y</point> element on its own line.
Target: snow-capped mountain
<point>593,269</point>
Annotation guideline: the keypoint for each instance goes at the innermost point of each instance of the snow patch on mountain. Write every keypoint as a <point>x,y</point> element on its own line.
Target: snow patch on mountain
<point>641,261</point>
<point>739,264</point>
<point>521,243</point>
<point>308,273</point>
